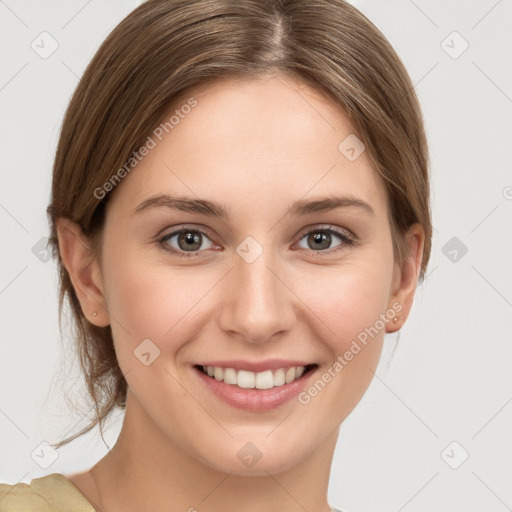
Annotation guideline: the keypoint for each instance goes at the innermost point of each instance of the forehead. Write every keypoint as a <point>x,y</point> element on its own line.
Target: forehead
<point>253,140</point>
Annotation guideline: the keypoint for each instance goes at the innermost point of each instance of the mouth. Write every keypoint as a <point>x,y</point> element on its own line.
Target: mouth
<point>254,391</point>
<point>266,379</point>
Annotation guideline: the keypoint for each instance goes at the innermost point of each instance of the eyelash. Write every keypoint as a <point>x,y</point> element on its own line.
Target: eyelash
<point>346,240</point>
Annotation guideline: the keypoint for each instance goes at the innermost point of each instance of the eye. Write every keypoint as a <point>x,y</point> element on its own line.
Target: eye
<point>186,240</point>
<point>321,238</point>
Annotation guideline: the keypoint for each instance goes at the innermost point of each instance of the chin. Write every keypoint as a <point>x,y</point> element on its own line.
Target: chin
<point>244,458</point>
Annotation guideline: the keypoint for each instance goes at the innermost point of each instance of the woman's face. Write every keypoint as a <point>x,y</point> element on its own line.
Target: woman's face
<point>270,284</point>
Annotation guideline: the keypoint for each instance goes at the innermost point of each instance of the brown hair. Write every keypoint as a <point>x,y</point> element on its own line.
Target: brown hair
<point>164,47</point>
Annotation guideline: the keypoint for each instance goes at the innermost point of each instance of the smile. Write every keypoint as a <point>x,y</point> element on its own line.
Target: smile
<point>255,387</point>
<point>245,379</point>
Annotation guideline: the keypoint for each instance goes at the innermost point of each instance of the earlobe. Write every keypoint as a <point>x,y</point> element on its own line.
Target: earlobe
<point>406,278</point>
<point>84,271</point>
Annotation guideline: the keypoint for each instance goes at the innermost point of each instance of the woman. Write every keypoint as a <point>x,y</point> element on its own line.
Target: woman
<point>240,213</point>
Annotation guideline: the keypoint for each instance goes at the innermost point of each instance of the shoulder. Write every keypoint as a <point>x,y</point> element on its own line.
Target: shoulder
<point>51,493</point>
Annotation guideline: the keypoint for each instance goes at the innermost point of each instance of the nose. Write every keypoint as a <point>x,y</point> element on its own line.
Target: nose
<point>258,303</point>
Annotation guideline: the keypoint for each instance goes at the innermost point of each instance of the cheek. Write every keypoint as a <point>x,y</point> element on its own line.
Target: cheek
<point>347,299</point>
<point>149,299</point>
<point>351,305</point>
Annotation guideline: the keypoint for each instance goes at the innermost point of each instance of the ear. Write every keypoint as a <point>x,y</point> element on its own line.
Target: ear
<point>84,271</point>
<point>405,279</point>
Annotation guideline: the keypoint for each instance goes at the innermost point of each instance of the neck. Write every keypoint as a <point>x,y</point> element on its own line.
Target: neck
<point>145,470</point>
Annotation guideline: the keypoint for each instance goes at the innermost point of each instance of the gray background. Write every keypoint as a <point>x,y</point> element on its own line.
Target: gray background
<point>449,380</point>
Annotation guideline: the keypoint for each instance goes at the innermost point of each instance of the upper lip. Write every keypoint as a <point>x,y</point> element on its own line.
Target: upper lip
<point>255,366</point>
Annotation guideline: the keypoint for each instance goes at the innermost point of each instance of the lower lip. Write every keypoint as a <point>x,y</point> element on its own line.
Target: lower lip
<point>255,400</point>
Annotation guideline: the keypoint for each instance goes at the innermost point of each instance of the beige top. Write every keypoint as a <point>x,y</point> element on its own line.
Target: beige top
<point>51,493</point>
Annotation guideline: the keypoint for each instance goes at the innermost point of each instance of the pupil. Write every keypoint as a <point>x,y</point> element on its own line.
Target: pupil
<point>323,239</point>
<point>190,240</point>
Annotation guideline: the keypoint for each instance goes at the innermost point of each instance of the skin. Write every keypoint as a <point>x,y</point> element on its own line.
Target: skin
<point>256,147</point>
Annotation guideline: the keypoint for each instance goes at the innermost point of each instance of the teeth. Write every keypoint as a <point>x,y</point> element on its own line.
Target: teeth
<point>279,378</point>
<point>251,380</point>
<point>246,379</point>
<point>290,375</point>
<point>230,376</point>
<point>264,380</point>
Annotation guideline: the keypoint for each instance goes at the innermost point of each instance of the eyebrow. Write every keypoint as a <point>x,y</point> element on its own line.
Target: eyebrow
<point>209,208</point>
